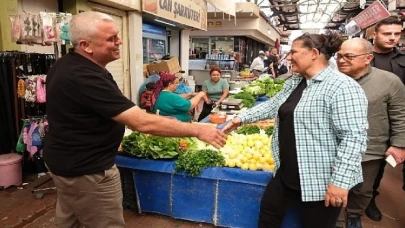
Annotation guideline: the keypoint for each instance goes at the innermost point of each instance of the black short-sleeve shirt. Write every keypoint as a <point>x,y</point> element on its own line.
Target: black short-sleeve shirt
<point>82,97</point>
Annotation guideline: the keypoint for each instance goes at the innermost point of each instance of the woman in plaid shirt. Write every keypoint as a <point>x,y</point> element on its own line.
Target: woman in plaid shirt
<point>319,137</point>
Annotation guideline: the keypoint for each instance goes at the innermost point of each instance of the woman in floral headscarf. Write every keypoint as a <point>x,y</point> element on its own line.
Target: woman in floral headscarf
<point>171,104</point>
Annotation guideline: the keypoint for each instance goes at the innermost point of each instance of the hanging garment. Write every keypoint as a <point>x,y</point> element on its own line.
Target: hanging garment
<point>41,91</point>
<point>21,88</point>
<point>30,91</point>
<point>8,134</point>
<point>31,148</point>
<point>20,147</point>
<point>15,28</point>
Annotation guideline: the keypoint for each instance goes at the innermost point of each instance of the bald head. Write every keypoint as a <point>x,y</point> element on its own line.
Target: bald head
<point>84,25</point>
<point>359,44</point>
<point>354,57</point>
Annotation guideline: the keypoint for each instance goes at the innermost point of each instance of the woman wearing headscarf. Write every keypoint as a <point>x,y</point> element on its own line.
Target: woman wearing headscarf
<point>167,103</point>
<point>319,136</point>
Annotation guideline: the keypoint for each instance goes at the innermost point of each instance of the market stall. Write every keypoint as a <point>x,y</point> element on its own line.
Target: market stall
<point>228,197</point>
<point>188,179</point>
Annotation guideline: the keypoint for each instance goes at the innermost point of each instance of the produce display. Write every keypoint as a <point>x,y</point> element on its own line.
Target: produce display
<point>148,146</point>
<point>255,129</point>
<point>246,73</point>
<point>248,152</point>
<point>248,99</point>
<point>194,161</point>
<point>247,148</point>
<point>263,124</point>
<point>264,86</point>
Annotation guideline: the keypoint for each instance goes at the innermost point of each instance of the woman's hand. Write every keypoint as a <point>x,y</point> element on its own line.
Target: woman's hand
<point>336,196</point>
<point>208,101</point>
<point>232,125</point>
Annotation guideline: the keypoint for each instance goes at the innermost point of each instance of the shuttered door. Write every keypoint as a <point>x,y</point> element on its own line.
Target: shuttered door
<point>118,67</point>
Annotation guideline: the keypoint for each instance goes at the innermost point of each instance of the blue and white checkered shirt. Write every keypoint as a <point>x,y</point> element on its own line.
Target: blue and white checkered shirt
<point>330,126</point>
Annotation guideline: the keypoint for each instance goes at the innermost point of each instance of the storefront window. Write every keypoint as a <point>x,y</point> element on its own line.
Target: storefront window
<point>222,45</point>
<point>199,48</point>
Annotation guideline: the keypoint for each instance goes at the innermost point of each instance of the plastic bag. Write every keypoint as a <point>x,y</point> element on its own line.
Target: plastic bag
<point>181,89</point>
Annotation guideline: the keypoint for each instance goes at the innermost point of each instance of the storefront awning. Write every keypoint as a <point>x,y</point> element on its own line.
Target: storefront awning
<point>225,6</point>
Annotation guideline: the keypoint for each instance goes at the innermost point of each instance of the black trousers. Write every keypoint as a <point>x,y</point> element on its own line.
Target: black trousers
<point>277,199</point>
<point>207,108</point>
<point>378,179</point>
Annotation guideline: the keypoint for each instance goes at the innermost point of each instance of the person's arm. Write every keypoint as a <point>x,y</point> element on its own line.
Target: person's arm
<point>141,121</point>
<point>225,94</point>
<point>101,95</point>
<point>205,90</point>
<point>263,111</point>
<point>396,115</point>
<point>188,95</point>
<point>196,99</point>
<point>273,73</point>
<point>349,120</point>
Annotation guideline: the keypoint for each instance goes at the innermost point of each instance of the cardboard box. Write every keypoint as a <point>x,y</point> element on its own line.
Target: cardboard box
<point>172,65</point>
<point>145,71</point>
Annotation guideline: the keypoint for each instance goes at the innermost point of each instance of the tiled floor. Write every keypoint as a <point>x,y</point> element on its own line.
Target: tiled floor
<point>19,208</point>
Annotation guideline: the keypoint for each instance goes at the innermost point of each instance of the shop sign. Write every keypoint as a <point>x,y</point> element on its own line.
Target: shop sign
<point>371,15</point>
<point>214,24</point>
<point>192,13</point>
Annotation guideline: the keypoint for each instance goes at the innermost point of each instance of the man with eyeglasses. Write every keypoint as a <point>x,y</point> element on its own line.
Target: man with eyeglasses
<point>386,116</point>
<point>387,57</point>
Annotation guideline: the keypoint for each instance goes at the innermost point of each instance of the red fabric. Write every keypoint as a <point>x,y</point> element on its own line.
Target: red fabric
<point>146,100</point>
<point>165,79</point>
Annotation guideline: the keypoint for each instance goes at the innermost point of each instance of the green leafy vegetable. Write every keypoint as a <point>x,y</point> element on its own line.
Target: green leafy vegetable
<point>269,130</point>
<point>248,130</point>
<point>247,99</point>
<point>148,146</point>
<point>194,161</point>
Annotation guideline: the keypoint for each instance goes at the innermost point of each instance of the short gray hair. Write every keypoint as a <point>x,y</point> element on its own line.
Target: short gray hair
<point>365,44</point>
<point>82,25</point>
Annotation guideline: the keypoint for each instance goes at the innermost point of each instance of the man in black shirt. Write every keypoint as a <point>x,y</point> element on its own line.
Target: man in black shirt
<point>87,114</point>
<point>386,57</point>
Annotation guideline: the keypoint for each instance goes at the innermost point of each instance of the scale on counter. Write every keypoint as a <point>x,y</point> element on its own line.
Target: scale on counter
<point>231,104</point>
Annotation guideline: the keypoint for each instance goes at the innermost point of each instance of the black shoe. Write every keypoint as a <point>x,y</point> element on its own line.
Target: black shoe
<point>353,222</point>
<point>373,212</point>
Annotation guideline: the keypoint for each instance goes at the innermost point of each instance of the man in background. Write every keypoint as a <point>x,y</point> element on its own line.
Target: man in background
<point>257,65</point>
<point>386,117</point>
<point>387,57</point>
<point>274,62</point>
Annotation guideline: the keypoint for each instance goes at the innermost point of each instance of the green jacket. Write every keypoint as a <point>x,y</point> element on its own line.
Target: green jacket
<point>386,112</point>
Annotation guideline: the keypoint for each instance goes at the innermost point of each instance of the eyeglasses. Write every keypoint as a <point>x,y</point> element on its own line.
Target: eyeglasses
<point>348,57</point>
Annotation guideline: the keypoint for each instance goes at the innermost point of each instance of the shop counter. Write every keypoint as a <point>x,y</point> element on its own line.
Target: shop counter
<point>226,197</point>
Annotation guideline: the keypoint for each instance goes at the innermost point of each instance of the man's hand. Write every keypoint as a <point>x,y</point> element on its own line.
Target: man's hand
<point>336,196</point>
<point>397,153</point>
<point>232,125</point>
<point>212,136</point>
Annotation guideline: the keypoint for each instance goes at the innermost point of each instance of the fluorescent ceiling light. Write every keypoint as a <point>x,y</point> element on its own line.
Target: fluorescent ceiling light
<point>164,22</point>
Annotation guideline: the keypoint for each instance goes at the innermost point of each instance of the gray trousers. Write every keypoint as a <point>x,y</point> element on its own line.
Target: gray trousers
<point>360,196</point>
<point>91,201</point>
